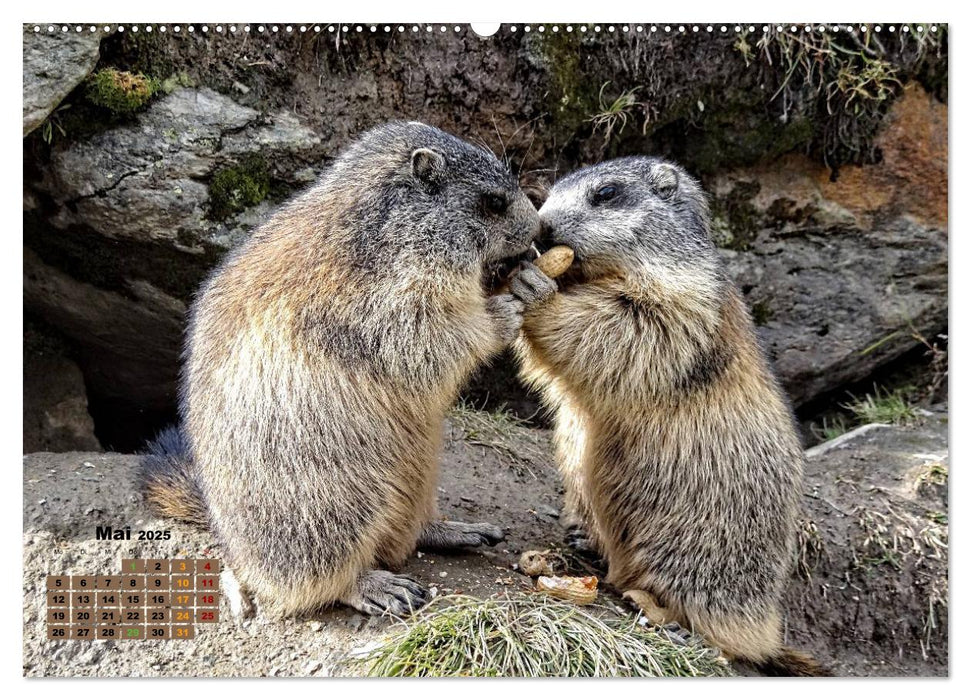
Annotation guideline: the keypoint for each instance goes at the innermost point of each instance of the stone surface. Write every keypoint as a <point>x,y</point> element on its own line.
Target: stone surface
<point>841,274</point>
<point>146,180</point>
<point>870,590</point>
<point>54,64</point>
<point>56,417</point>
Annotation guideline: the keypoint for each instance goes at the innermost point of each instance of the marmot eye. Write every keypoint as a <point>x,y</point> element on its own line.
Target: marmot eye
<point>604,194</point>
<point>495,203</point>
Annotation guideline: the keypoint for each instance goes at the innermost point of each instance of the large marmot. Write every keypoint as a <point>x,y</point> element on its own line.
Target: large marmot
<point>321,358</point>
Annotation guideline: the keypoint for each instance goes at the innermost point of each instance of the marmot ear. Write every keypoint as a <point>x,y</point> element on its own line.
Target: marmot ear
<point>427,165</point>
<point>664,180</point>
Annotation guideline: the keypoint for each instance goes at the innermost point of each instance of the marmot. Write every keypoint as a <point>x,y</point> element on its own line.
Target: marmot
<point>320,360</point>
<point>679,451</point>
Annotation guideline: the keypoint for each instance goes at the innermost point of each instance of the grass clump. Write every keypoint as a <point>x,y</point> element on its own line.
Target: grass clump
<point>613,115</point>
<point>887,406</point>
<point>931,474</point>
<point>529,635</point>
<point>52,123</point>
<point>854,75</point>
<point>830,430</point>
<point>120,92</point>
<point>237,187</point>
<point>897,536</point>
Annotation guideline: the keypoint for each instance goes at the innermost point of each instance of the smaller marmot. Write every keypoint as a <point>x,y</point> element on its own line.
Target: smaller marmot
<point>678,450</point>
<point>321,358</point>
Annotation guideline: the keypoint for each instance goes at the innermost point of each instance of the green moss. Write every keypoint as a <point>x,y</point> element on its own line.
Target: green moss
<point>735,218</point>
<point>149,53</point>
<point>574,97</point>
<point>237,187</point>
<point>119,92</point>
<point>176,81</point>
<point>761,313</point>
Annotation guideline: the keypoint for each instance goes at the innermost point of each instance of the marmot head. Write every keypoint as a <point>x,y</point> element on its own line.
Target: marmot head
<point>411,189</point>
<point>635,216</point>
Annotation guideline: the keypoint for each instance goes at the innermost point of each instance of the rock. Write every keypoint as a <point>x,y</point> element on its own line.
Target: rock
<point>839,271</point>
<point>834,306</point>
<point>870,588</point>
<point>119,334</point>
<point>54,64</point>
<point>143,180</point>
<point>56,417</point>
<point>842,275</point>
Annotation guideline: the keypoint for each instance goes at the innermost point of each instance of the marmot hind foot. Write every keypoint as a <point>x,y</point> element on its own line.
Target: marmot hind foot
<point>651,608</point>
<point>580,542</point>
<point>449,534</point>
<point>378,592</point>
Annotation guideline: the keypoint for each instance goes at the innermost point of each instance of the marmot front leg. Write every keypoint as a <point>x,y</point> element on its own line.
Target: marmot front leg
<point>378,592</point>
<point>449,534</point>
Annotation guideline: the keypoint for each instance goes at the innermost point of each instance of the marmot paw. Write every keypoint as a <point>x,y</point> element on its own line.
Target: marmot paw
<point>531,285</point>
<point>450,534</point>
<point>578,540</point>
<point>650,607</point>
<point>383,593</point>
<point>507,310</point>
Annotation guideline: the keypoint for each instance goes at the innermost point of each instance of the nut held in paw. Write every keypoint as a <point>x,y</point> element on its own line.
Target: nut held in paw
<point>553,263</point>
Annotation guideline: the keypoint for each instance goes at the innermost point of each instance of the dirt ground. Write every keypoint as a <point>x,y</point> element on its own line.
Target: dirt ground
<point>496,471</point>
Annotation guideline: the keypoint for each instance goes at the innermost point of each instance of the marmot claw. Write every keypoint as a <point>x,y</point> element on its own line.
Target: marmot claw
<point>384,593</point>
<point>531,285</point>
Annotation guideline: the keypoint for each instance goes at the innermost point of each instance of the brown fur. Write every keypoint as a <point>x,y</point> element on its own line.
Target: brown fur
<point>678,450</point>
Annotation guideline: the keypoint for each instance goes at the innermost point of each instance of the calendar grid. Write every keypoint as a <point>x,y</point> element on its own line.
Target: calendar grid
<point>155,599</point>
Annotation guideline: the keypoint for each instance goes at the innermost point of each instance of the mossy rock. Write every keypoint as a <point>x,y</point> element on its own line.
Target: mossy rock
<point>574,93</point>
<point>761,313</point>
<point>119,92</point>
<point>735,220</point>
<point>238,187</point>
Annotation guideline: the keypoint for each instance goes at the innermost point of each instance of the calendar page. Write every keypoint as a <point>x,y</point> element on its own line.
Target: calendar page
<point>526,349</point>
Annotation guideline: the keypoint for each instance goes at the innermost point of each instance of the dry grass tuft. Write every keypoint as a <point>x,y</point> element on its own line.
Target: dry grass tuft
<point>530,635</point>
<point>502,433</point>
